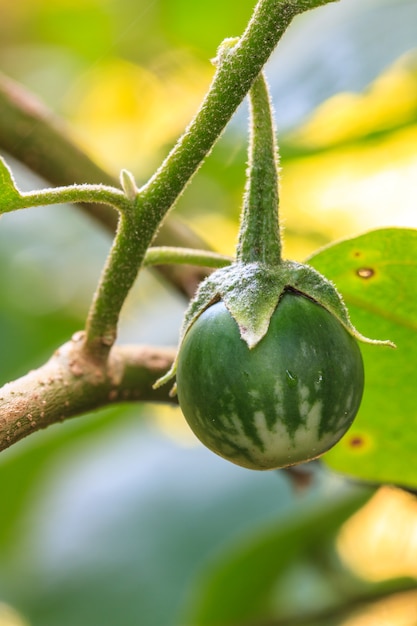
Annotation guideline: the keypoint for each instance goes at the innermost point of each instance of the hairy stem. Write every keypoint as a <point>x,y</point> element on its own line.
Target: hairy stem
<point>237,69</point>
<point>116,280</point>
<point>259,235</point>
<point>76,193</point>
<point>184,256</point>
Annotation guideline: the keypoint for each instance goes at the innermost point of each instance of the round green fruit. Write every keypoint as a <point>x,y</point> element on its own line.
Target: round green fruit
<point>285,401</point>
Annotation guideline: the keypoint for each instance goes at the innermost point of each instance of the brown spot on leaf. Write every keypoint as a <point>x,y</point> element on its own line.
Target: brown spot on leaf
<point>360,443</point>
<point>356,442</point>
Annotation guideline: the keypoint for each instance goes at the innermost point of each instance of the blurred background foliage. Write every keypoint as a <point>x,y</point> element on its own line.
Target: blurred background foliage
<point>120,517</point>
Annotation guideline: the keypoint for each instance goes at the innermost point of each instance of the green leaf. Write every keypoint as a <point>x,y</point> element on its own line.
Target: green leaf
<point>200,26</point>
<point>243,586</point>
<point>10,197</point>
<point>377,276</point>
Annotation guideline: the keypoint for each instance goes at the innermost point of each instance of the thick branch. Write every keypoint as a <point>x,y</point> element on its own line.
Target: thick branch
<point>69,385</point>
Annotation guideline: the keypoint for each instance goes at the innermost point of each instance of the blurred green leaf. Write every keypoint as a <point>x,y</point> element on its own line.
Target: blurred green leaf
<point>205,26</point>
<point>377,275</point>
<point>84,27</point>
<point>242,587</point>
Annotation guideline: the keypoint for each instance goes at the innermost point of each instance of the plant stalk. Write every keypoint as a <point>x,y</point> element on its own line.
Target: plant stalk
<point>118,276</point>
<point>259,234</point>
<point>236,71</point>
<point>184,256</point>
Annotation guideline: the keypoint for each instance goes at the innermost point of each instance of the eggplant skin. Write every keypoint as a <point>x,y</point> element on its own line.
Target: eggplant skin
<point>285,401</point>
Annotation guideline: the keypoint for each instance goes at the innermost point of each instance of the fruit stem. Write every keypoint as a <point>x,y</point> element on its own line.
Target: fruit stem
<point>259,235</point>
<point>161,255</point>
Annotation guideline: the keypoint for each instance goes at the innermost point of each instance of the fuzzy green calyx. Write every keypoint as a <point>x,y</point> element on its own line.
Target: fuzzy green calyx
<point>252,291</point>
